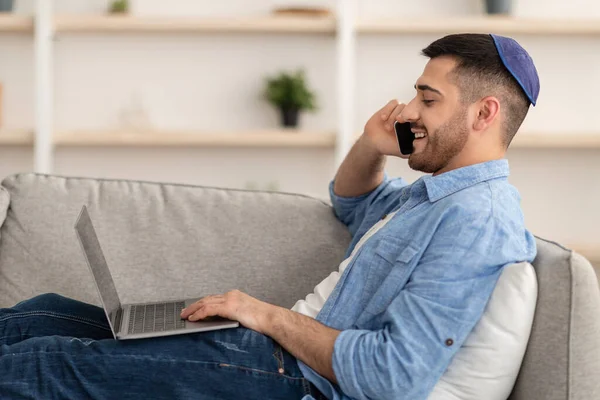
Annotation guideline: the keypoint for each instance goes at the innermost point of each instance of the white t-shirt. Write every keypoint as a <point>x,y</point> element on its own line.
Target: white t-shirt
<point>315,301</point>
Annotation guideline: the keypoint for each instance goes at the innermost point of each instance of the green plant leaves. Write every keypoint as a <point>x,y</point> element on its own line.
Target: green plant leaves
<point>288,90</point>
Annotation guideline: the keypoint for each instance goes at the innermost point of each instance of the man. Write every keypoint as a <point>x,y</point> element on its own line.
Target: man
<point>422,265</point>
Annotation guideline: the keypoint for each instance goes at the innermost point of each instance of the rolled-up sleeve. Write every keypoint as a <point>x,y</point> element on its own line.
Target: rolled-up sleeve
<point>426,322</point>
<point>352,210</point>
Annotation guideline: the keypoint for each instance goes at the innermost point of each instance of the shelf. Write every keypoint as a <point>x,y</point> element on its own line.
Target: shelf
<point>14,23</point>
<point>276,138</point>
<point>264,138</point>
<point>551,141</point>
<point>16,138</point>
<point>502,25</point>
<point>124,24</point>
<point>301,24</point>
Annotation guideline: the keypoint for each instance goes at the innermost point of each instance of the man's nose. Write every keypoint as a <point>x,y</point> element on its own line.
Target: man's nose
<point>410,112</point>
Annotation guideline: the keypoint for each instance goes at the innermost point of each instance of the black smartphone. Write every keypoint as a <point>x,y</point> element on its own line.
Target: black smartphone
<point>405,137</point>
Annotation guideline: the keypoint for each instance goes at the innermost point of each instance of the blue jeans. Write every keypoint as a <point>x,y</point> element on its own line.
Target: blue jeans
<point>52,347</point>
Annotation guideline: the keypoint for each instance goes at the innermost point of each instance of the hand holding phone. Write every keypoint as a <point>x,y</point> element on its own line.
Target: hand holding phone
<point>387,135</point>
<point>405,137</point>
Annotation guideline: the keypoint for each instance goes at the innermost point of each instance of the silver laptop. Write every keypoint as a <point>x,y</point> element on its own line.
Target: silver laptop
<point>136,321</point>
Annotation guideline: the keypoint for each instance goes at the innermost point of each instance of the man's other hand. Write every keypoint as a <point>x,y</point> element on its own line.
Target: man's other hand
<point>234,305</point>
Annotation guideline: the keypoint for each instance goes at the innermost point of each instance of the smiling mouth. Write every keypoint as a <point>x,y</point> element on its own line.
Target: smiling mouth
<point>419,135</point>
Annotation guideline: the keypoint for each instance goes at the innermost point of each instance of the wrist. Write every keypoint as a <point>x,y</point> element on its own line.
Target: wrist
<point>270,318</point>
<point>369,145</point>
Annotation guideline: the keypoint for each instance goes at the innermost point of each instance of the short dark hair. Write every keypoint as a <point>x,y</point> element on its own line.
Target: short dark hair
<point>480,72</point>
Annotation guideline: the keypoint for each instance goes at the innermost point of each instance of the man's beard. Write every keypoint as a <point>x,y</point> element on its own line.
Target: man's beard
<point>441,147</point>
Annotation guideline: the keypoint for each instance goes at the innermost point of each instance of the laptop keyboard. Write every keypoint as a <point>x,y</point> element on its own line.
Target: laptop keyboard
<point>156,317</point>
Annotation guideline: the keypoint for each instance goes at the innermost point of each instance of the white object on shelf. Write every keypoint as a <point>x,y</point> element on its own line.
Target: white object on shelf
<point>135,117</point>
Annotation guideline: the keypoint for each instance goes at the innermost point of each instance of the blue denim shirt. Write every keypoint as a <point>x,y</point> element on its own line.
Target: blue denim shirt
<point>415,290</point>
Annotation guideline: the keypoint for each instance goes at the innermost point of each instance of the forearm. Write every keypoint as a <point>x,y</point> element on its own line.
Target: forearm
<point>305,338</point>
<point>362,170</point>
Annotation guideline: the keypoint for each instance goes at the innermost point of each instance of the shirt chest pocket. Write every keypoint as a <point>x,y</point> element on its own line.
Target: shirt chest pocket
<point>392,262</point>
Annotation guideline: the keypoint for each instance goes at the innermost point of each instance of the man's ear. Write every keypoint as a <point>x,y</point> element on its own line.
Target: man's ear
<point>487,112</point>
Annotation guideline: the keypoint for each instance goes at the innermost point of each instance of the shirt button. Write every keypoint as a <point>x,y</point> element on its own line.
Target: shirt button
<point>383,217</point>
<point>449,342</point>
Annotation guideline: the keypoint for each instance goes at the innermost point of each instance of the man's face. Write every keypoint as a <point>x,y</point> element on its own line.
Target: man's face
<point>437,112</point>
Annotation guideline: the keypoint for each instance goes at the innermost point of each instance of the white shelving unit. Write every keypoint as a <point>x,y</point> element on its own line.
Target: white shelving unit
<point>344,28</point>
<point>48,26</point>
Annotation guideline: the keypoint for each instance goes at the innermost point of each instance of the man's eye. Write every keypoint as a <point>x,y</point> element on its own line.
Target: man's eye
<point>427,102</point>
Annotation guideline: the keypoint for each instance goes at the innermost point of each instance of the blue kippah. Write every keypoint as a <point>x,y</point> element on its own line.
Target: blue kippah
<point>520,65</point>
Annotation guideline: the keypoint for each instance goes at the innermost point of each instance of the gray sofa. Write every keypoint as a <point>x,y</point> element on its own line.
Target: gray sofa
<point>173,241</point>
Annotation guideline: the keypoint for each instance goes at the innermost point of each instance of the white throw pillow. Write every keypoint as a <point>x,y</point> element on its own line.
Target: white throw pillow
<point>487,365</point>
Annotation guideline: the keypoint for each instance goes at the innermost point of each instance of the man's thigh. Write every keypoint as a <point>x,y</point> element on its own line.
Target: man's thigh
<point>51,314</point>
<point>230,363</point>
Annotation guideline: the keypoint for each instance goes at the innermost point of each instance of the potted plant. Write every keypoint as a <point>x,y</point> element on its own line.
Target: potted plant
<point>6,5</point>
<point>498,7</point>
<point>119,7</point>
<point>289,93</point>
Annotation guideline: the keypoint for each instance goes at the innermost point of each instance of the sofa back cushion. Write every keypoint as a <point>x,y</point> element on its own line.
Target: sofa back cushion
<point>562,361</point>
<point>164,241</point>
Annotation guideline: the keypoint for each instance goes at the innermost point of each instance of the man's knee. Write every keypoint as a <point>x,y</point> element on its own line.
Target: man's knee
<point>43,301</point>
<point>50,297</point>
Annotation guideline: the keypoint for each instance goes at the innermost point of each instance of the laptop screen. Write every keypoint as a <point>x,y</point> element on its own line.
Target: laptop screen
<point>97,263</point>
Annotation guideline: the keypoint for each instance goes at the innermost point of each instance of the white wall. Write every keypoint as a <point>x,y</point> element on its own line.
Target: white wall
<point>16,77</point>
<point>187,82</point>
<point>205,82</point>
<point>253,168</point>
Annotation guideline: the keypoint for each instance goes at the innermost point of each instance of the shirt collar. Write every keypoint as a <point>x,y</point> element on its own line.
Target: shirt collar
<point>450,182</point>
